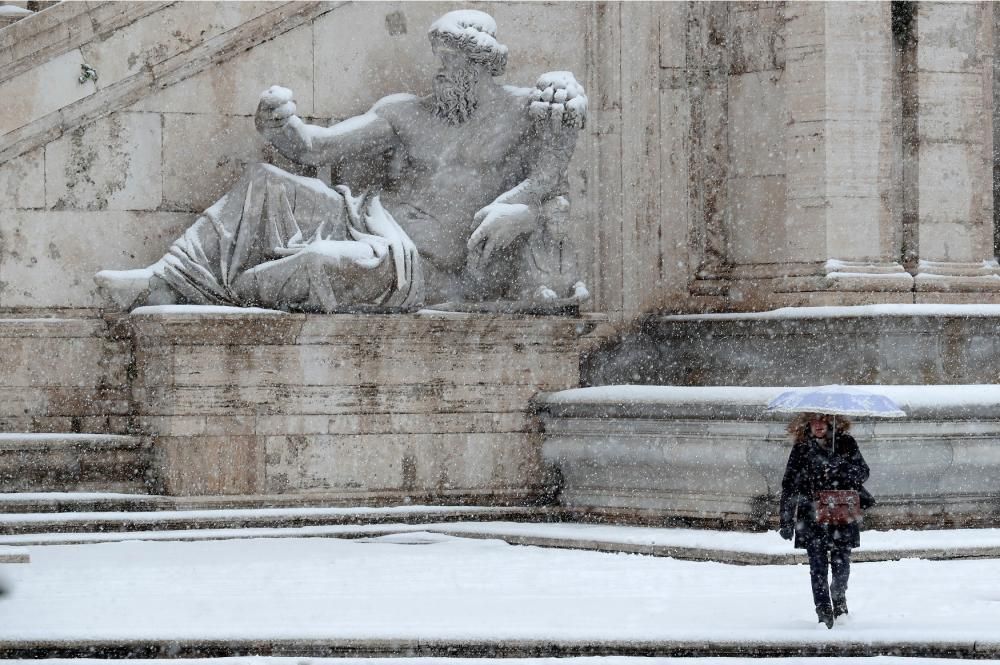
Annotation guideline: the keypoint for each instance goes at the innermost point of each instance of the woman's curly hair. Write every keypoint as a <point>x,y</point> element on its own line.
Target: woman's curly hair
<point>798,429</point>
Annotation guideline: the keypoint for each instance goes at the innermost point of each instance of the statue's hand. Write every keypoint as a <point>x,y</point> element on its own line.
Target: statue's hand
<point>275,107</point>
<point>499,224</point>
<point>559,98</point>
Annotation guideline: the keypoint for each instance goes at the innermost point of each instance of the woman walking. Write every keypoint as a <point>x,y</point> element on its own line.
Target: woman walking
<point>821,502</point>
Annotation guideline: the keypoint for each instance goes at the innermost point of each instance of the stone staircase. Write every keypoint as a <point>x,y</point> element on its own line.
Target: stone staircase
<point>57,462</point>
<point>47,519</point>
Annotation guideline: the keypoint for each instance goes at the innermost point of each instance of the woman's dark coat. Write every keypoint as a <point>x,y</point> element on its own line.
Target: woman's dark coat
<point>813,466</point>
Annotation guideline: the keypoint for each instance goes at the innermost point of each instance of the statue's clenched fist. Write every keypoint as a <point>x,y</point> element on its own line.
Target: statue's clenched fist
<point>560,98</point>
<point>275,107</point>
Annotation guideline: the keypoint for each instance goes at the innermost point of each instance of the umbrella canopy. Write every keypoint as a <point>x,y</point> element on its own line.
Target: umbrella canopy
<point>835,400</point>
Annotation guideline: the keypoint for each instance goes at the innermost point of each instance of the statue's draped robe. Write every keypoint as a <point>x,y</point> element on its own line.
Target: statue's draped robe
<point>284,241</point>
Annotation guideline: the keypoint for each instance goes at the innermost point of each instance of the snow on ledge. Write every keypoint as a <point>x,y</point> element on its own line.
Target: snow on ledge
<point>850,311</point>
<point>14,10</point>
<point>907,396</point>
<point>213,310</point>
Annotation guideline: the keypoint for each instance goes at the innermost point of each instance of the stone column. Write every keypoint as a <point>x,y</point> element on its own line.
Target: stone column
<point>839,151</point>
<point>954,170</point>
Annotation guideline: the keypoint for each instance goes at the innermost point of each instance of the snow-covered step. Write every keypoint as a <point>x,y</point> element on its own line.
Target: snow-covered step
<point>59,462</point>
<point>395,651</point>
<point>81,502</point>
<point>12,524</point>
<point>10,555</point>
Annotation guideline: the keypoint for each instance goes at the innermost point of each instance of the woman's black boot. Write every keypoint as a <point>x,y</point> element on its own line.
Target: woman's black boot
<point>825,614</point>
<point>839,606</point>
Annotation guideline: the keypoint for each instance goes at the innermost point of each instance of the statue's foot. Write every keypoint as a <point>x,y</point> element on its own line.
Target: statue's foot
<point>125,289</point>
<point>578,293</point>
<point>544,294</point>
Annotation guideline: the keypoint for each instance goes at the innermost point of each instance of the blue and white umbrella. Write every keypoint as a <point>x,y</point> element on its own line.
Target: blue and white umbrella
<point>835,400</point>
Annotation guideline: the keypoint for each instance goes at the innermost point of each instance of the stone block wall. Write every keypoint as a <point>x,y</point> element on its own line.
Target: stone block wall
<point>64,375</point>
<point>365,407</point>
<point>840,345</point>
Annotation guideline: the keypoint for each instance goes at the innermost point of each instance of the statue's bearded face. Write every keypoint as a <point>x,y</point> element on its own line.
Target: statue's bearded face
<point>455,86</point>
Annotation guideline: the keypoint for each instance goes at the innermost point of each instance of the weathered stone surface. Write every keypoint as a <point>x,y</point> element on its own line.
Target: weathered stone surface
<point>62,375</point>
<point>402,63</point>
<point>22,181</point>
<point>72,463</point>
<point>758,202</point>
<point>387,364</point>
<point>42,90</point>
<point>757,37</point>
<point>158,37</point>
<point>233,87</point>
<point>203,155</point>
<point>747,351</point>
<point>954,202</point>
<point>373,405</point>
<point>208,464</point>
<point>45,255</point>
<point>442,463</point>
<point>62,28</point>
<point>954,77</point>
<point>757,120</point>
<point>953,36</point>
<point>113,164</point>
<point>720,464</point>
<point>844,109</point>
<point>951,106</point>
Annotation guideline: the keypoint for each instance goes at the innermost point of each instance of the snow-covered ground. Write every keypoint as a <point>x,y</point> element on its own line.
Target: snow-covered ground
<point>608,660</point>
<point>434,586</point>
<point>958,541</point>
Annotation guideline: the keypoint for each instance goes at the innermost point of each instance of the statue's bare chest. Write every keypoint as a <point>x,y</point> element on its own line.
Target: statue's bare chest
<point>488,142</point>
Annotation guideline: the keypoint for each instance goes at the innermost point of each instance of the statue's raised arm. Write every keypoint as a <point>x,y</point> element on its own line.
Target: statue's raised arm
<point>353,139</point>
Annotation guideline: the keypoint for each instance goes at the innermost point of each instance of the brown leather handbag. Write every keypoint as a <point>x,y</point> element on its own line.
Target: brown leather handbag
<point>838,507</point>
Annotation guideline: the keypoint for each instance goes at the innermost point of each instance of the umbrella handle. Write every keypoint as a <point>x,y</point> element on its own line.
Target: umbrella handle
<point>835,433</point>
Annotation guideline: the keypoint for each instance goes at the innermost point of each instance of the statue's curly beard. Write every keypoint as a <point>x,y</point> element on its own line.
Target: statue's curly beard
<point>455,94</point>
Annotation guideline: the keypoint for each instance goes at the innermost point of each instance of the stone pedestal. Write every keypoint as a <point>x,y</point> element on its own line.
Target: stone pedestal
<point>63,375</point>
<point>431,406</point>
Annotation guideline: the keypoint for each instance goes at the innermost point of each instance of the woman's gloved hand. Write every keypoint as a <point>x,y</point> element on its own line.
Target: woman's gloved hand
<point>786,531</point>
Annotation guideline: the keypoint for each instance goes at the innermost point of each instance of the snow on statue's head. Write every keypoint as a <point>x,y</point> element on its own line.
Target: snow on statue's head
<point>474,33</point>
<point>470,35</point>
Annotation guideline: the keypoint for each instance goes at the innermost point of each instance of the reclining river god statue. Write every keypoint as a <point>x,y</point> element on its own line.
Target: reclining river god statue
<point>459,196</point>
